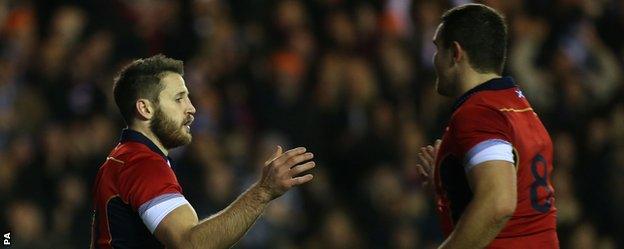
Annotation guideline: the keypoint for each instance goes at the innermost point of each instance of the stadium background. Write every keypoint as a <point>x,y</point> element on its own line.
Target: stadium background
<point>351,80</point>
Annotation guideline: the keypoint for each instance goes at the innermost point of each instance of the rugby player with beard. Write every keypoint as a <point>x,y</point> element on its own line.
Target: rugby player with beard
<point>138,202</point>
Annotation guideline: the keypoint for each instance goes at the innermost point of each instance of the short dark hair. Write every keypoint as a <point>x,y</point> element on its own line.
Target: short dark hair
<point>481,31</point>
<point>141,79</point>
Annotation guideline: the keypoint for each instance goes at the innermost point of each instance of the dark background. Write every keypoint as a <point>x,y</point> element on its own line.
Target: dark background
<point>351,80</point>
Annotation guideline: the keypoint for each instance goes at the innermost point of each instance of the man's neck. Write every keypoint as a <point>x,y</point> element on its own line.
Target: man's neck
<point>151,136</point>
<point>473,79</point>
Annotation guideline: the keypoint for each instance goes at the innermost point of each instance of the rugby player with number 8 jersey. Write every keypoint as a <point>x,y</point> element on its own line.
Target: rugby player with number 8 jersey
<point>491,171</point>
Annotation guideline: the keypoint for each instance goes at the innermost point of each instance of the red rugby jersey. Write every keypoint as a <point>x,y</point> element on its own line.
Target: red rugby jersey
<point>135,176</point>
<point>497,110</point>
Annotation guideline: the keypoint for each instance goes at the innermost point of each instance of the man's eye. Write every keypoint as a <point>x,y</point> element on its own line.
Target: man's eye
<point>178,99</point>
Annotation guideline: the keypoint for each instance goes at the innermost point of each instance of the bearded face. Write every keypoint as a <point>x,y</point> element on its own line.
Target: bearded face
<point>171,134</point>
<point>173,113</point>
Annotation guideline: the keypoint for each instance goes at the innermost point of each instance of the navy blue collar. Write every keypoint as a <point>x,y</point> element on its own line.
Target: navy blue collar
<point>135,136</point>
<point>493,84</point>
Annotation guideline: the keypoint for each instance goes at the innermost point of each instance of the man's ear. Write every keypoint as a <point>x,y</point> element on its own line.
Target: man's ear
<point>457,52</point>
<point>145,109</point>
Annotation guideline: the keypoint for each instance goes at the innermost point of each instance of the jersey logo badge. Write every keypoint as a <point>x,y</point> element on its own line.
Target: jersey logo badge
<point>520,95</point>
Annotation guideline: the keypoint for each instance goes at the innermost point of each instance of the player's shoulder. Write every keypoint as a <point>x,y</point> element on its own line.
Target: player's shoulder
<point>475,108</point>
<point>140,162</point>
<point>494,101</point>
<point>499,99</point>
<point>482,109</point>
<point>132,154</point>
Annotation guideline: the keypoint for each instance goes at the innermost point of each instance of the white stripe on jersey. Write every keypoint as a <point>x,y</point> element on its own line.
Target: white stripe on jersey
<point>488,150</point>
<point>154,211</point>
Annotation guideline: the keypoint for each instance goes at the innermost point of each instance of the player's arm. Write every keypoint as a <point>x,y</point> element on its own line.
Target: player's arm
<point>493,184</point>
<point>182,229</point>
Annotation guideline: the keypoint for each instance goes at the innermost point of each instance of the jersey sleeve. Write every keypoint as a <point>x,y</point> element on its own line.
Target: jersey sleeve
<point>152,190</point>
<point>482,134</point>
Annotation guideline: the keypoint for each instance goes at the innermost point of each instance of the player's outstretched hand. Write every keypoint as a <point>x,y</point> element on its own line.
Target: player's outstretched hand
<point>283,171</point>
<point>426,164</point>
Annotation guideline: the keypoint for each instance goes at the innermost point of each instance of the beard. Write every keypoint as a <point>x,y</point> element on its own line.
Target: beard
<point>170,133</point>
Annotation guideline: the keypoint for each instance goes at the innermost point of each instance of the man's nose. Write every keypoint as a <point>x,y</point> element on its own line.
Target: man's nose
<point>192,109</point>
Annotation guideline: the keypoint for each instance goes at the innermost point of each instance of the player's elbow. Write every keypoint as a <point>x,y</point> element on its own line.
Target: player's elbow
<point>504,208</point>
<point>186,241</point>
<point>190,239</point>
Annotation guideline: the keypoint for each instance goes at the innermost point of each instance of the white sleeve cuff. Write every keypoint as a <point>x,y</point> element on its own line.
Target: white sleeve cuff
<point>154,211</point>
<point>488,150</point>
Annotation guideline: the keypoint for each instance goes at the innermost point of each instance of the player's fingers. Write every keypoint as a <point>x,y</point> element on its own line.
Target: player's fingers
<point>432,153</point>
<point>288,154</point>
<point>291,162</point>
<point>421,172</point>
<point>426,155</point>
<point>431,150</point>
<point>437,144</point>
<point>425,165</point>
<point>300,180</point>
<point>302,168</point>
<point>422,159</point>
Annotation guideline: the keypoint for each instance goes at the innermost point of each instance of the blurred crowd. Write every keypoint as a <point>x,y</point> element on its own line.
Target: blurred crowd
<point>353,81</point>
